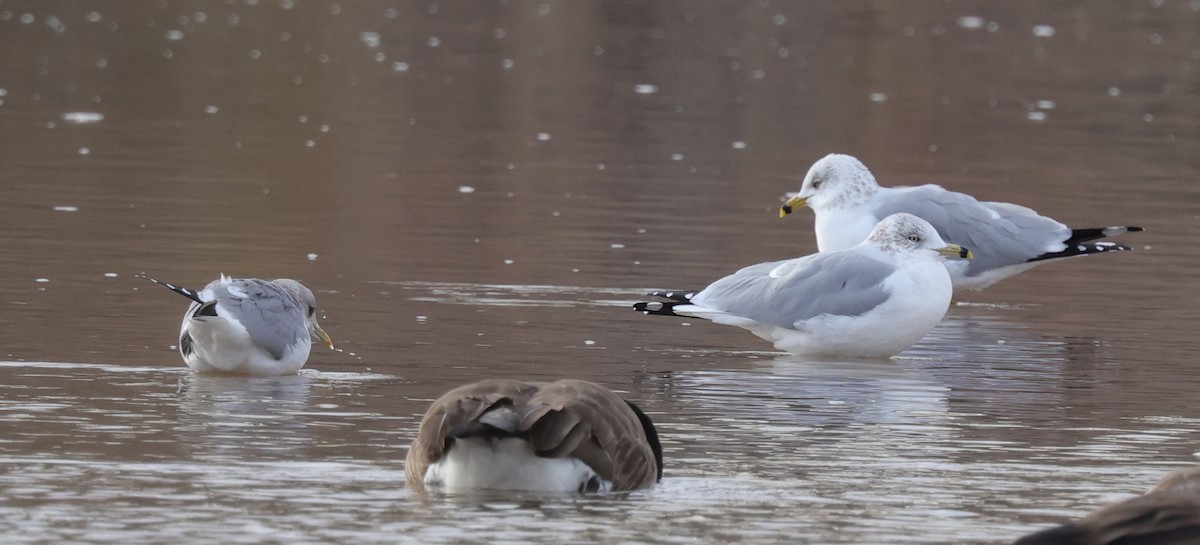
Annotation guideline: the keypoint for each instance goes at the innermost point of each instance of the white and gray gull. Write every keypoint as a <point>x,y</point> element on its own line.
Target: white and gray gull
<point>248,326</point>
<point>872,300</point>
<point>1006,238</point>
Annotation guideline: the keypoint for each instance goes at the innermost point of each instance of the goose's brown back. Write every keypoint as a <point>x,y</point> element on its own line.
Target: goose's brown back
<point>1169,514</point>
<point>567,418</point>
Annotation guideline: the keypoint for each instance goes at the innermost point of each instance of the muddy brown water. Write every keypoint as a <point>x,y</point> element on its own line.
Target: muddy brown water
<point>480,189</point>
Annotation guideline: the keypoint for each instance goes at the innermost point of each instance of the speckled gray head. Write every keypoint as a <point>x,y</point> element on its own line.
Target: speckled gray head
<point>834,181</point>
<point>908,233</point>
<point>308,303</point>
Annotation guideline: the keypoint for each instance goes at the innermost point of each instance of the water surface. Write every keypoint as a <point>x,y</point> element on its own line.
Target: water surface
<point>480,191</point>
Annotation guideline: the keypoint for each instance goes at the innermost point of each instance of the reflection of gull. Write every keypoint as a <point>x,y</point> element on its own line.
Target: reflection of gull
<point>973,360</point>
<point>817,394</point>
<point>248,326</point>
<point>230,416</point>
<point>872,300</point>
<point>1006,238</point>
<point>224,416</point>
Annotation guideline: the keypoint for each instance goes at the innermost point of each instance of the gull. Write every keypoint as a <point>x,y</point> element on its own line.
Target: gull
<point>872,300</point>
<point>1169,514</point>
<point>248,326</point>
<point>1007,238</point>
<point>565,436</point>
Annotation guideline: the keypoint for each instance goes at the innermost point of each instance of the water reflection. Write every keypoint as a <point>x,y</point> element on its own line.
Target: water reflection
<point>244,418</point>
<point>803,395</point>
<point>478,190</point>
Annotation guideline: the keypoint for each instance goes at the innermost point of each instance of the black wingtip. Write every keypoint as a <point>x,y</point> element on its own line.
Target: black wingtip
<point>1087,248</point>
<point>190,294</point>
<point>1095,233</point>
<point>654,308</point>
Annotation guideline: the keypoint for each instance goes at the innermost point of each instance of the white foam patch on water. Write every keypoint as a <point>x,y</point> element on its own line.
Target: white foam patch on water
<point>971,21</point>
<point>83,117</point>
<point>64,208</point>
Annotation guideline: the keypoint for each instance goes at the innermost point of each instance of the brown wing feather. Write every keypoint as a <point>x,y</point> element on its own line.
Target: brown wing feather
<point>616,446</point>
<point>1165,518</point>
<point>1182,479</point>
<point>572,418</point>
<point>457,407</point>
<point>557,431</point>
<point>1169,514</point>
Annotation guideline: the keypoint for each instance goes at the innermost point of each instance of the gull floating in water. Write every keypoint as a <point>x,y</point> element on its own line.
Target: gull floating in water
<point>248,326</point>
<point>565,436</point>
<point>872,300</point>
<point>1007,239</point>
<point>1169,514</point>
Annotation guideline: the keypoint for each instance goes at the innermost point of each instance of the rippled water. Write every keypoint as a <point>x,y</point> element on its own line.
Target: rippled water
<point>480,190</point>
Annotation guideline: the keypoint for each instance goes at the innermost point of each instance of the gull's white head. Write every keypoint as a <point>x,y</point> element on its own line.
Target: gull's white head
<point>308,305</point>
<point>835,181</point>
<point>906,233</point>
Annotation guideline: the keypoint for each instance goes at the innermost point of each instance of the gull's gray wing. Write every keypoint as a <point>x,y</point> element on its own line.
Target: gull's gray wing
<point>998,233</point>
<point>783,293</point>
<point>270,315</point>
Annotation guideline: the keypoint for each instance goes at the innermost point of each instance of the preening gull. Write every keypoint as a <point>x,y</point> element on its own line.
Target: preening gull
<point>1006,238</point>
<point>248,326</point>
<point>871,300</point>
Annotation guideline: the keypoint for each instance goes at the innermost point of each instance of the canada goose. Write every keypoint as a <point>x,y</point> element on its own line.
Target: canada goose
<point>248,326</point>
<point>1168,514</point>
<point>872,300</point>
<point>1009,239</point>
<point>564,436</point>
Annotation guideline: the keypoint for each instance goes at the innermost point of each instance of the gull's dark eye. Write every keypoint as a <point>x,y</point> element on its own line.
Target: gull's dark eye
<point>312,310</point>
<point>913,238</point>
<point>816,184</point>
